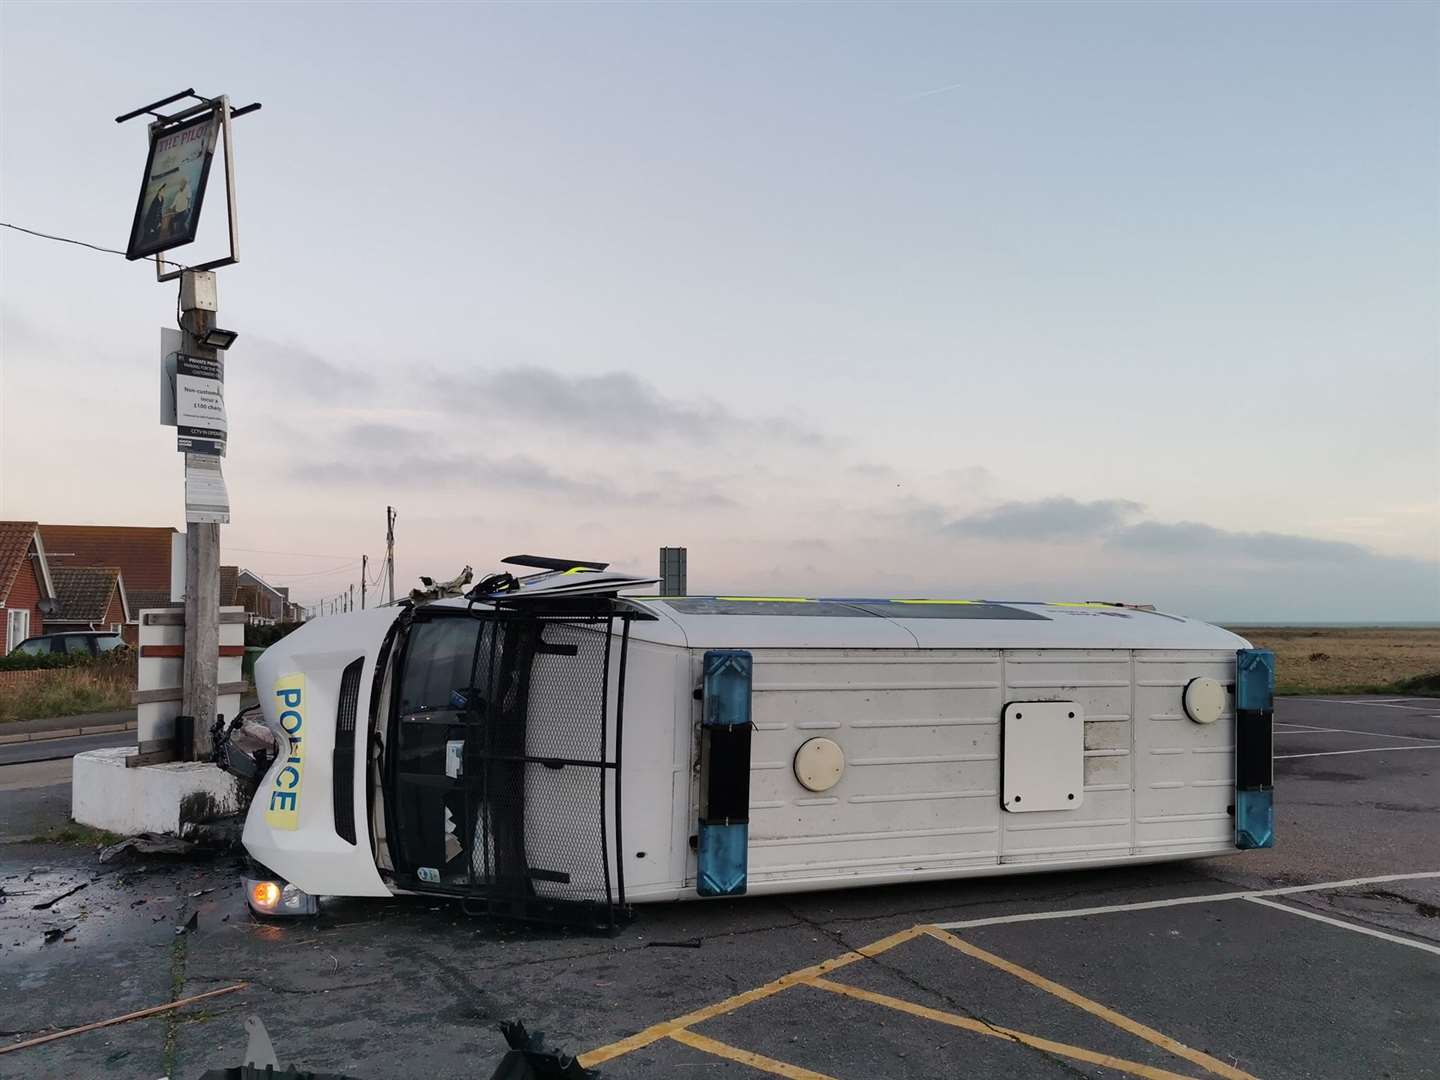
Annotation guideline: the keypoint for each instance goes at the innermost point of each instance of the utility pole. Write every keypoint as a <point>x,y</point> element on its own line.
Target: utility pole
<point>350,603</point>
<point>390,548</point>
<point>201,681</point>
<point>364,569</point>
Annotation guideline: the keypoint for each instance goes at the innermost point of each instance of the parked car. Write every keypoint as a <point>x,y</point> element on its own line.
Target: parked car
<point>84,642</point>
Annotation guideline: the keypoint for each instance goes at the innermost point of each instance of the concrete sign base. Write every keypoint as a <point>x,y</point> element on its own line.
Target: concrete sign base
<point>153,798</point>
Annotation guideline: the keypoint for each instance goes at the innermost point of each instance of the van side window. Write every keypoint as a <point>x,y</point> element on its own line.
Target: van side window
<point>437,662</point>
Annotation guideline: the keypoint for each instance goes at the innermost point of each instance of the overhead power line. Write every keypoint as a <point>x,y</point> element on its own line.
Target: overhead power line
<point>297,554</point>
<point>85,244</point>
<point>315,573</point>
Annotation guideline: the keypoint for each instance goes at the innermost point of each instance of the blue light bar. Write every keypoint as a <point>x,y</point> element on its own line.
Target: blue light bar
<point>723,859</point>
<point>1255,679</point>
<point>722,851</point>
<point>1254,748</point>
<point>727,687</point>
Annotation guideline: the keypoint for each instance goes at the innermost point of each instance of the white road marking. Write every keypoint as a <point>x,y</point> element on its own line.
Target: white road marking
<point>1416,707</point>
<point>24,775</point>
<point>1366,750</point>
<point>1352,731</point>
<point>1346,925</point>
<point>1178,901</point>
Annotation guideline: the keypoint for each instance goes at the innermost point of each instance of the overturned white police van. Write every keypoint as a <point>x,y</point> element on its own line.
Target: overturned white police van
<point>550,747</point>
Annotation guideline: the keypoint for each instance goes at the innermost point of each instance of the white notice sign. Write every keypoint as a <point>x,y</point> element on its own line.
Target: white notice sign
<point>206,499</point>
<point>200,405</point>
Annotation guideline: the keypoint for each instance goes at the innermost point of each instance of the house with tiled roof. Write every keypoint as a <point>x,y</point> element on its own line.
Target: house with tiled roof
<point>263,602</point>
<point>90,598</point>
<point>27,593</point>
<point>140,553</point>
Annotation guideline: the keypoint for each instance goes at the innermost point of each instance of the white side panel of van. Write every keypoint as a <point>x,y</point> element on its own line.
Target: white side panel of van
<point>920,734</point>
<point>1098,680</point>
<point>1185,772</point>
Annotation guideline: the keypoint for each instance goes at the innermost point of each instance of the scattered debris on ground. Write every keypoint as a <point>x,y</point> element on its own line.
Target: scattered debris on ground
<point>154,844</point>
<point>45,905</point>
<point>527,1058</point>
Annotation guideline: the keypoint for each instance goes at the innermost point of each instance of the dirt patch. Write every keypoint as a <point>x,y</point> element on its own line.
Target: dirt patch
<point>1351,660</point>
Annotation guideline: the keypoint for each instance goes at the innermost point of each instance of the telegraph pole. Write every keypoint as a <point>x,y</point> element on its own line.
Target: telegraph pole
<point>390,548</point>
<point>350,604</point>
<point>199,302</point>
<point>364,564</point>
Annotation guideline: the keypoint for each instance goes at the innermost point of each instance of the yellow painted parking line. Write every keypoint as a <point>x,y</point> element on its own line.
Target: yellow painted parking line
<point>1080,1001</point>
<point>746,1057</point>
<point>1078,1053</point>
<point>667,1028</point>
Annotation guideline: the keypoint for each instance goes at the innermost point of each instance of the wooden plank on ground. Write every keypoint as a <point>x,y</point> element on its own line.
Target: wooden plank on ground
<point>122,1019</point>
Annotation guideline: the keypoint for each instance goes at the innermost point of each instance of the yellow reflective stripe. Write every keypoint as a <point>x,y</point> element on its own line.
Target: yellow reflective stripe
<point>578,570</point>
<point>1076,603</point>
<point>769,599</point>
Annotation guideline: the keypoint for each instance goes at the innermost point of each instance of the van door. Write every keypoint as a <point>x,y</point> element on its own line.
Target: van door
<point>503,780</point>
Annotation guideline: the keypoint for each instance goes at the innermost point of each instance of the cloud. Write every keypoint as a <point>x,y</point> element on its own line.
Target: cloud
<point>370,453</point>
<point>449,470</point>
<point>290,368</point>
<point>1193,537</point>
<point>1057,518</point>
<point>868,470</point>
<point>606,404</point>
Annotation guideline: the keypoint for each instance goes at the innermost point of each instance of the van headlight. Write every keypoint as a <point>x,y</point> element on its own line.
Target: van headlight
<point>267,896</point>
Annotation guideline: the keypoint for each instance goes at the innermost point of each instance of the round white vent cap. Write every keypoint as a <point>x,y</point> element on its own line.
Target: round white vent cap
<point>819,764</point>
<point>1204,700</point>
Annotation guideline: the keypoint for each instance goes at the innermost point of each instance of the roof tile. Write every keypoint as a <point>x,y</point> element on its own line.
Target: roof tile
<point>15,539</point>
<point>84,592</point>
<point>141,552</point>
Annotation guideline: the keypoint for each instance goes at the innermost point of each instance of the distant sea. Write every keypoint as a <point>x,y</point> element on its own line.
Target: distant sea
<point>1368,624</point>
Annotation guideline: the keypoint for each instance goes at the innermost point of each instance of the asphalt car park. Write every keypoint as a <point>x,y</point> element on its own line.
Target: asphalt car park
<point>1318,958</point>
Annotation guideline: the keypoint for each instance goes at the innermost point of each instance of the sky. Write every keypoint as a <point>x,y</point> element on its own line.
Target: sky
<point>1015,301</point>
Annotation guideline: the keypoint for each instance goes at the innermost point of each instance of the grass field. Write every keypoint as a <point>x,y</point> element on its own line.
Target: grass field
<point>1351,660</point>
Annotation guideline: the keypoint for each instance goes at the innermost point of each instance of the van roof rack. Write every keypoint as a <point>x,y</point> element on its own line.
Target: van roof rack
<point>546,562</point>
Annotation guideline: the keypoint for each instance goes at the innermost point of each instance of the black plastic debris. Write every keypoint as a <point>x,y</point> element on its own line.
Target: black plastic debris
<point>251,1072</point>
<point>189,924</point>
<point>45,905</point>
<point>528,1059</point>
<point>687,943</point>
<point>55,933</point>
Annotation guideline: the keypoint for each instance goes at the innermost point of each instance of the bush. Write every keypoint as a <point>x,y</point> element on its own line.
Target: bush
<point>27,662</point>
<point>265,636</point>
<point>1420,685</point>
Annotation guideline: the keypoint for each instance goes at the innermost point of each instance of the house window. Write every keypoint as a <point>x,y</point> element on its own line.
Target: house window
<point>17,627</point>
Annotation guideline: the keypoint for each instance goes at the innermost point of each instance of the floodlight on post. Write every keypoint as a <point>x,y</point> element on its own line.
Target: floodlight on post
<point>215,338</point>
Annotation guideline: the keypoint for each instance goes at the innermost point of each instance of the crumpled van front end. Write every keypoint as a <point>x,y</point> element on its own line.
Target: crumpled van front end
<point>308,826</point>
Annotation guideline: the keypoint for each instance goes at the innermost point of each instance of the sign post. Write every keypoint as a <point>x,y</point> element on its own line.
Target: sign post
<point>181,148</point>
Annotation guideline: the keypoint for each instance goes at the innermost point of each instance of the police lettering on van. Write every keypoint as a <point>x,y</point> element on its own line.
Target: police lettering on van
<point>282,810</point>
